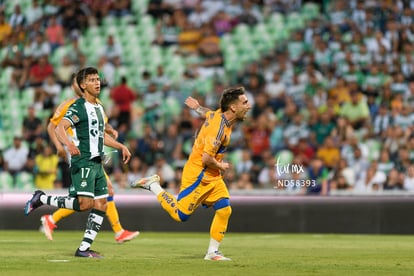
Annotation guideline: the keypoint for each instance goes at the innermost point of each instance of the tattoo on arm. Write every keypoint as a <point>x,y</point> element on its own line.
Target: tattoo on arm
<point>201,110</point>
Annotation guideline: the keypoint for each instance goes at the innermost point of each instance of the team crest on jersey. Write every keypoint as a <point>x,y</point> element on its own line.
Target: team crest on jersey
<point>84,184</point>
<point>74,118</point>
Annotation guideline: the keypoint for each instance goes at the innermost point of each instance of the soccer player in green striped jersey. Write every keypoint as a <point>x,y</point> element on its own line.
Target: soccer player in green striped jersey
<point>89,187</point>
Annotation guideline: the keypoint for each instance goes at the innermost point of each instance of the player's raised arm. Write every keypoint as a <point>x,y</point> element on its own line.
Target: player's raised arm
<point>195,105</point>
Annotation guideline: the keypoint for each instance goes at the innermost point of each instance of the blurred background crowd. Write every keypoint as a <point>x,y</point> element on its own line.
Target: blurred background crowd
<point>331,84</point>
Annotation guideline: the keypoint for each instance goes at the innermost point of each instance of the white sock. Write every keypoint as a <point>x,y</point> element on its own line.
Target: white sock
<point>214,245</point>
<point>155,187</point>
<point>43,199</point>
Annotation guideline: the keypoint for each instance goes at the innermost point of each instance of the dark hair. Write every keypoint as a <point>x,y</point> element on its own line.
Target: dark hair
<point>229,96</point>
<point>83,73</point>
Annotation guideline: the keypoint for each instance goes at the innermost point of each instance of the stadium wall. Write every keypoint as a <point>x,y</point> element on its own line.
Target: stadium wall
<point>272,214</point>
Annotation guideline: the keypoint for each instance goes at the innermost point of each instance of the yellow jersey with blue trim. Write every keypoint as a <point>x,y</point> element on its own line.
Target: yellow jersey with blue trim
<point>213,139</point>
<point>61,111</point>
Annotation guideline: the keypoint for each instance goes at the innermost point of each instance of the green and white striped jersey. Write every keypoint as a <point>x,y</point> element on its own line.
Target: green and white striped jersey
<point>88,124</point>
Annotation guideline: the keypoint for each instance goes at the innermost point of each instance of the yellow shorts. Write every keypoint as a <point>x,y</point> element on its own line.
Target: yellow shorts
<point>196,191</point>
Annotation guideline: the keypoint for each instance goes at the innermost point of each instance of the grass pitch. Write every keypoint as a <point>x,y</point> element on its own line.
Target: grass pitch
<point>29,253</point>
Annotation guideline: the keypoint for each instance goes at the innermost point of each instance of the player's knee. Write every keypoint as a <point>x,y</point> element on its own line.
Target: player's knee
<point>223,207</point>
<point>86,203</point>
<point>224,212</point>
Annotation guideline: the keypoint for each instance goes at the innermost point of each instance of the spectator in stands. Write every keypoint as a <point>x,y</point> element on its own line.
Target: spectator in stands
<point>39,71</point>
<point>385,164</point>
<point>55,33</point>
<point>343,169</point>
<point>107,71</point>
<point>329,153</point>
<point>120,8</point>
<point>5,29</point>
<point>15,157</point>
<point>39,47</point>
<point>199,16</point>
<point>34,13</point>
<point>167,31</point>
<point>157,8</point>
<point>395,138</point>
<point>267,176</point>
<point>111,48</point>
<point>409,179</point>
<point>136,169</point>
<point>73,18</point>
<point>303,151</point>
<point>257,137</point>
<point>172,143</point>
<point>32,125</point>
<point>163,169</point>
<point>64,71</point>
<point>74,51</point>
<point>188,39</point>
<point>323,128</point>
<point>295,130</point>
<point>46,167</point>
<point>123,97</point>
<point>50,92</point>
<point>394,180</point>
<point>356,111</point>
<point>245,164</point>
<point>318,174</point>
<point>152,103</point>
<point>402,161</point>
<point>17,18</point>
<point>243,182</point>
<point>382,121</point>
<point>210,53</point>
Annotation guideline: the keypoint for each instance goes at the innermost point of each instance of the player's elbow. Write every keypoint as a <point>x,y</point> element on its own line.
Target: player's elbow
<point>206,160</point>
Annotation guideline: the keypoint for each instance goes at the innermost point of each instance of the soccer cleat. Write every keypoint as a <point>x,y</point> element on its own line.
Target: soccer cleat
<point>216,256</point>
<point>145,183</point>
<point>126,236</point>
<point>34,202</point>
<point>87,254</point>
<point>48,226</point>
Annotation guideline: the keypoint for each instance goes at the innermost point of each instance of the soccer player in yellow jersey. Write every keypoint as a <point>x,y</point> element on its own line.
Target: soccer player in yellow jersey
<point>49,221</point>
<point>202,181</point>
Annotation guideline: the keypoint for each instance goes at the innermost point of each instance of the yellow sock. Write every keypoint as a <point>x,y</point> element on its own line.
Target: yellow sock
<point>219,224</point>
<point>170,204</point>
<point>112,214</point>
<point>61,213</point>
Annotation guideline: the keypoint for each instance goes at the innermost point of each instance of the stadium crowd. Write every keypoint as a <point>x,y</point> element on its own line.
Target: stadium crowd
<point>333,102</point>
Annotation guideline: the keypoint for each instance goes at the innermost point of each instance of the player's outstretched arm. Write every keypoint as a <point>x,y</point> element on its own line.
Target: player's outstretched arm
<point>111,142</point>
<point>111,131</point>
<point>195,105</point>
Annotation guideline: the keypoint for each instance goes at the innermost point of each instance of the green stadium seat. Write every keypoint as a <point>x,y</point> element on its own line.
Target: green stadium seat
<point>310,10</point>
<point>25,181</point>
<point>6,181</point>
<point>295,21</point>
